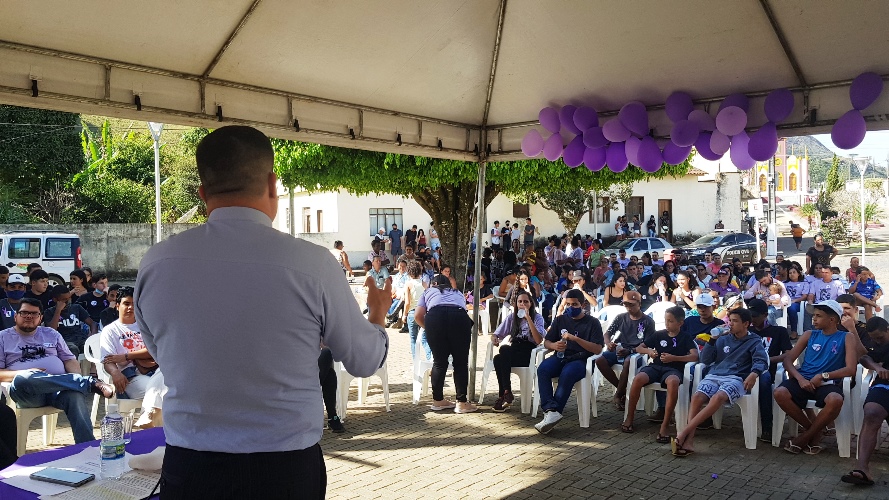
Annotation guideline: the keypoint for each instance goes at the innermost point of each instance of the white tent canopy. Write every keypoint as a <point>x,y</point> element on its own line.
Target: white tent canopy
<point>361,74</point>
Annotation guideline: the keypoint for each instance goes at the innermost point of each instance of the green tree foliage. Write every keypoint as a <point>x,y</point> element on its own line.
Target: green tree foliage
<point>106,198</point>
<point>834,181</point>
<point>445,189</point>
<point>569,206</point>
<point>39,151</point>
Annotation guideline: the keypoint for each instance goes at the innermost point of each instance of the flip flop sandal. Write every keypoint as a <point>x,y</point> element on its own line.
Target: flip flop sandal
<point>830,431</point>
<point>813,450</point>
<point>678,450</point>
<point>792,448</point>
<point>861,479</point>
<point>662,439</point>
<point>627,429</point>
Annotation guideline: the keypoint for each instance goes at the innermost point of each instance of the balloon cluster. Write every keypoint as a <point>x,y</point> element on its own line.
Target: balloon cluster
<point>627,138</point>
<point>849,130</point>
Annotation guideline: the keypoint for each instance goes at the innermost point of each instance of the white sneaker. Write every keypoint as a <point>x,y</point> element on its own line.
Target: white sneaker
<point>465,407</point>
<point>550,419</point>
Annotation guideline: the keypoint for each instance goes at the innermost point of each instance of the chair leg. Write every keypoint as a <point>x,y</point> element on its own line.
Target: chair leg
<point>343,383</point>
<point>363,383</point>
<point>485,374</point>
<point>777,424</point>
<point>681,409</point>
<point>594,393</point>
<point>717,418</point>
<point>844,430</point>
<point>22,431</point>
<point>49,428</point>
<point>750,421</point>
<point>583,402</point>
<point>384,379</point>
<point>526,383</point>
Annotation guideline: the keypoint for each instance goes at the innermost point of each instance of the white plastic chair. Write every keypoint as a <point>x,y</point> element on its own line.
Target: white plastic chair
<point>845,422</point>
<point>421,371</point>
<point>581,388</point>
<point>484,315</point>
<point>782,320</point>
<point>657,311</point>
<point>24,416</point>
<point>527,378</point>
<point>607,314</point>
<point>344,380</point>
<point>93,354</point>
<point>749,404</point>
<point>647,395</point>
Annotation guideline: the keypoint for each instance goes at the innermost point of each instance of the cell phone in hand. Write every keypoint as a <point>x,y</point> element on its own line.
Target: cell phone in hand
<point>61,476</point>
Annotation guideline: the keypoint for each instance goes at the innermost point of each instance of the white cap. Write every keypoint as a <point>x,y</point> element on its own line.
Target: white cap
<point>704,299</point>
<point>17,278</point>
<point>831,305</point>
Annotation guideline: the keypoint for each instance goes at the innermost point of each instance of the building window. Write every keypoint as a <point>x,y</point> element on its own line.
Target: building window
<point>307,220</point>
<point>521,210</point>
<point>319,221</point>
<point>636,206</point>
<point>384,218</point>
<point>603,212</point>
<point>792,180</point>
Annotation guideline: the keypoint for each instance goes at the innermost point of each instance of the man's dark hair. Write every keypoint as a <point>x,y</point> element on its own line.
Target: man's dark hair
<point>846,298</point>
<point>80,274</point>
<point>32,266</point>
<point>97,278</point>
<point>677,312</point>
<point>39,275</point>
<point>762,273</point>
<point>114,287</point>
<point>32,302</point>
<point>58,290</point>
<point>125,291</point>
<point>337,243</point>
<point>575,294</point>
<point>877,323</point>
<point>4,270</point>
<point>235,160</point>
<point>367,263</point>
<point>742,314</point>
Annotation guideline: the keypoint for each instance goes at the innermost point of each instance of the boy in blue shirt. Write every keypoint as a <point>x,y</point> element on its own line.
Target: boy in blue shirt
<point>866,291</point>
<point>830,355</point>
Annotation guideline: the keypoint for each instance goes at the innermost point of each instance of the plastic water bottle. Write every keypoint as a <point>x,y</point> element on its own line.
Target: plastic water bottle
<point>561,354</point>
<point>112,446</point>
<point>719,330</point>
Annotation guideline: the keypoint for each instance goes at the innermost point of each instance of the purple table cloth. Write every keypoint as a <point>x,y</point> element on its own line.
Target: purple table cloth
<point>143,442</point>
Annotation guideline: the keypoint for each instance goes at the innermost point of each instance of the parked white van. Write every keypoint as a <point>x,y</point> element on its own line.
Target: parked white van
<point>57,253</point>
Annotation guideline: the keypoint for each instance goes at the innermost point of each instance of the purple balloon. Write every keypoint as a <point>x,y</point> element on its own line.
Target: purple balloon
<point>849,130</point>
<point>552,148</point>
<point>865,89</point>
<point>549,119</point>
<point>566,118</point>
<point>779,105</point>
<point>586,117</point>
<point>674,155</point>
<point>631,148</point>
<point>702,146</point>
<point>573,155</point>
<point>614,131</point>
<point>593,138</point>
<point>650,157</point>
<point>764,142</point>
<point>731,121</point>
<point>739,155</point>
<point>594,159</point>
<point>616,157</point>
<point>684,133</point>
<point>634,117</point>
<point>532,143</point>
<point>736,100</point>
<point>719,143</point>
<point>678,106</point>
<point>702,119</point>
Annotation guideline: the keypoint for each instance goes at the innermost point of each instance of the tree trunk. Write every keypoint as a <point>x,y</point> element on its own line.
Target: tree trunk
<point>452,209</point>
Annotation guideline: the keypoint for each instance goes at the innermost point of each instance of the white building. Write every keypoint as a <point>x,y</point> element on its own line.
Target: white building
<point>708,193</point>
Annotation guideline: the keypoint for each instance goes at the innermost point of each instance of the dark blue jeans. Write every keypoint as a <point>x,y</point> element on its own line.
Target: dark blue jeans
<point>67,392</point>
<point>569,374</point>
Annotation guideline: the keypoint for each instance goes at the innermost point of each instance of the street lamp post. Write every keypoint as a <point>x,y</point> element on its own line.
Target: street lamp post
<point>156,129</point>
<point>861,163</point>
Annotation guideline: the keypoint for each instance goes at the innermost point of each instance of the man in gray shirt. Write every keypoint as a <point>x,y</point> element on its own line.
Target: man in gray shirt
<point>244,412</point>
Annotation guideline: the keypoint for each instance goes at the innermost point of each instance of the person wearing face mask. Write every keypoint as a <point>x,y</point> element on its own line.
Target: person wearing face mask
<point>525,329</point>
<point>574,336</point>
<point>96,301</point>
<point>39,282</point>
<point>15,292</point>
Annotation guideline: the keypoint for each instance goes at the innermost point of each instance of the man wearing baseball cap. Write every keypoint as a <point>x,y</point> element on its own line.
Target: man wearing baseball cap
<point>830,355</point>
<point>15,292</point>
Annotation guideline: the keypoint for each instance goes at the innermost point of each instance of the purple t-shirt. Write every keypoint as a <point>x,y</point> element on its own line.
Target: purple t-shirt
<point>44,349</point>
<point>434,297</point>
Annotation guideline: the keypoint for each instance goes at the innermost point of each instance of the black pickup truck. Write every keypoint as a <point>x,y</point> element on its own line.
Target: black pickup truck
<point>726,244</point>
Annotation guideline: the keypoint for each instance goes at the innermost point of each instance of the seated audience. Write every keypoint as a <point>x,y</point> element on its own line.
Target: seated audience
<point>776,342</point>
<point>124,355</point>
<point>38,288</point>
<point>15,292</point>
<point>867,291</point>
<point>525,330</point>
<point>69,319</point>
<point>624,334</point>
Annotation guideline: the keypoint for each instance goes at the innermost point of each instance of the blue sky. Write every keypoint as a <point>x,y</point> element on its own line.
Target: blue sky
<point>875,145</point>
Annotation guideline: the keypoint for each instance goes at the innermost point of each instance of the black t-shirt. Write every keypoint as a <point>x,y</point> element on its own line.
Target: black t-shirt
<point>45,298</point>
<point>694,326</point>
<point>410,236</point>
<point>588,328</point>
<point>820,256</point>
<point>861,328</point>
<point>71,322</point>
<point>775,340</point>
<point>94,305</point>
<point>7,313</point>
<point>662,342</point>
<point>108,316</point>
<point>630,332</point>
<point>880,354</point>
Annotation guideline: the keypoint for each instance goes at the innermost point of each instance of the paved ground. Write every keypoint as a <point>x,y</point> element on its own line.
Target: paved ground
<point>413,452</point>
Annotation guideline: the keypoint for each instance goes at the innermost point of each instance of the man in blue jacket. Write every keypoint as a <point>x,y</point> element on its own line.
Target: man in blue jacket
<point>739,358</point>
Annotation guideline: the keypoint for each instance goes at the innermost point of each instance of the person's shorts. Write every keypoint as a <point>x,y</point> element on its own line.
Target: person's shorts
<point>797,239</point>
<point>660,374</point>
<point>612,358</point>
<point>878,395</point>
<point>801,396</point>
<point>732,386</point>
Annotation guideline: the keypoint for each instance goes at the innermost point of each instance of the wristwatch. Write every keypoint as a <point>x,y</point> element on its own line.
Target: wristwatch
<point>825,375</point>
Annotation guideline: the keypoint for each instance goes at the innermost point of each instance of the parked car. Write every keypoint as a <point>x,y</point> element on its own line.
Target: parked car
<point>638,246</point>
<point>728,245</point>
<point>57,253</point>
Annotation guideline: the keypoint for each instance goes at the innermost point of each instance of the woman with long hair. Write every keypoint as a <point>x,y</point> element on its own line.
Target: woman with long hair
<point>522,283</point>
<point>798,290</point>
<point>670,273</point>
<point>656,291</point>
<point>525,329</point>
<point>686,291</point>
<point>421,238</point>
<point>442,312</point>
<point>614,292</point>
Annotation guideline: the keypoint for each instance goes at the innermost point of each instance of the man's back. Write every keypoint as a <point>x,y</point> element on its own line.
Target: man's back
<point>217,400</point>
